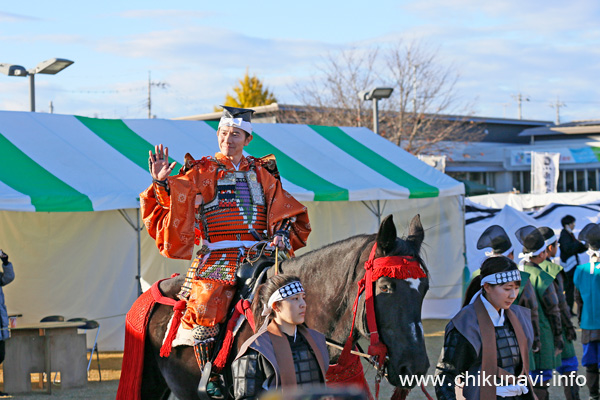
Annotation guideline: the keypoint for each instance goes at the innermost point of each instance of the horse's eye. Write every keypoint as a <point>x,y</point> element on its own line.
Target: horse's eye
<point>384,289</point>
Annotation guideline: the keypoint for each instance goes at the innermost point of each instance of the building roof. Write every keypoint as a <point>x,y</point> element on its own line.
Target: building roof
<point>590,127</point>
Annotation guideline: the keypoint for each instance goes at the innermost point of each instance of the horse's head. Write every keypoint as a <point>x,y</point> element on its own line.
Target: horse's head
<point>398,305</point>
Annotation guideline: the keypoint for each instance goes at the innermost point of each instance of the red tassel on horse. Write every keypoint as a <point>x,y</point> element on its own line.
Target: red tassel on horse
<point>178,310</point>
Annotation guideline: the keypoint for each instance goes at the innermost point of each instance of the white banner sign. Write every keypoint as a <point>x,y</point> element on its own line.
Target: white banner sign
<point>544,172</point>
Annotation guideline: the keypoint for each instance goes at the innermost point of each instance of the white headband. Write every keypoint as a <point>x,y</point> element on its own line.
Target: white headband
<point>236,123</point>
<point>502,277</point>
<point>549,241</point>
<point>505,254</point>
<point>283,292</point>
<point>527,256</point>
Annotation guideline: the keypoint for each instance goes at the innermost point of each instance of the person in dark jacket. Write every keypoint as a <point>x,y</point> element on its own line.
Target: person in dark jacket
<point>570,248</point>
<point>489,340</point>
<point>6,276</point>
<point>283,354</point>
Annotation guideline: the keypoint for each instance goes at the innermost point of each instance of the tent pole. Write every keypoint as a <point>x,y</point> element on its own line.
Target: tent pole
<point>377,211</point>
<point>466,270</point>
<point>138,229</point>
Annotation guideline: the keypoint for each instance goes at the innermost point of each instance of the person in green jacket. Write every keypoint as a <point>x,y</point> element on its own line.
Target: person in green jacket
<point>548,358</point>
<point>569,363</point>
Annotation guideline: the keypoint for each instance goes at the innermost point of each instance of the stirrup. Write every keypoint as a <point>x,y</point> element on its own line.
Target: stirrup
<point>202,392</point>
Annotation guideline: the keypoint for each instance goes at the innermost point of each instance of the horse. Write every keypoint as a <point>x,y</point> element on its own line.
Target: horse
<point>330,276</point>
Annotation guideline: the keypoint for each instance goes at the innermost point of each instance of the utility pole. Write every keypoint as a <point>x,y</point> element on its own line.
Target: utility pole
<point>557,106</point>
<point>149,96</point>
<point>520,99</point>
<point>150,84</point>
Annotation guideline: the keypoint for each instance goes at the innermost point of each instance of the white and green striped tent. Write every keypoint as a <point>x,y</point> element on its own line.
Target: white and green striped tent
<point>69,189</point>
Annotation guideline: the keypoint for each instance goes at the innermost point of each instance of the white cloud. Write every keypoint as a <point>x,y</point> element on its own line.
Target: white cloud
<point>10,17</point>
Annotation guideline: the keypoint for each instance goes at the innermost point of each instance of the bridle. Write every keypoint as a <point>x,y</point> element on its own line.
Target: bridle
<point>396,267</point>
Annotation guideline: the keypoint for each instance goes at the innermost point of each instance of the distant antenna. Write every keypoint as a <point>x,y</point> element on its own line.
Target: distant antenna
<point>520,99</point>
<point>557,106</point>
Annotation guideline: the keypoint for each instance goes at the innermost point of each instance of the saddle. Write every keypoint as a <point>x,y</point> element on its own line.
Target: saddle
<point>258,259</point>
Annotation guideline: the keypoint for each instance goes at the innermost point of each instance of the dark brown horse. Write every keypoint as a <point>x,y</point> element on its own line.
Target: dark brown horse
<point>330,276</point>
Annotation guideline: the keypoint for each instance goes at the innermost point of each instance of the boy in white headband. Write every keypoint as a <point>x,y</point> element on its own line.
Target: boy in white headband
<point>283,354</point>
<point>496,238</point>
<point>489,340</point>
<point>548,358</point>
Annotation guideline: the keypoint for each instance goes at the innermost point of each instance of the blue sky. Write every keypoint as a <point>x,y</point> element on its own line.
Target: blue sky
<point>542,49</point>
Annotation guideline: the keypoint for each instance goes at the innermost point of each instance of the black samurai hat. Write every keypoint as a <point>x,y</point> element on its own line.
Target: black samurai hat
<point>495,237</point>
<point>591,235</point>
<point>237,117</point>
<point>531,239</point>
<point>548,234</point>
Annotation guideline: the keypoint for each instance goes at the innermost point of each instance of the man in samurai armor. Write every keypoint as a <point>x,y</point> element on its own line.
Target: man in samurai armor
<point>225,205</point>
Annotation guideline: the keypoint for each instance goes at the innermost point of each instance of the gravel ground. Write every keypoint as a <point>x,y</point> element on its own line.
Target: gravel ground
<point>111,371</point>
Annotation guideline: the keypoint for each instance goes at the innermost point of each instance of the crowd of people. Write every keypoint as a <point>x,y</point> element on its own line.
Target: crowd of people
<point>524,313</point>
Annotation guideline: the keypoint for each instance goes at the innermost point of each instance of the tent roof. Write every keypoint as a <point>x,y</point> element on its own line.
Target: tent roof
<point>54,162</point>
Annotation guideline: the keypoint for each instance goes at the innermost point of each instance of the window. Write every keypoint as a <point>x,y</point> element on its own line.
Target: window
<point>516,179</point>
<point>570,181</point>
<point>580,182</point>
<point>457,175</point>
<point>526,182</point>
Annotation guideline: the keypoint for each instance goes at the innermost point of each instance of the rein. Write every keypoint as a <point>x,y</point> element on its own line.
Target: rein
<point>397,267</point>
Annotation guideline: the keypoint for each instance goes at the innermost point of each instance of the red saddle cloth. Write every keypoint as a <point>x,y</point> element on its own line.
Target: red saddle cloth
<point>136,323</point>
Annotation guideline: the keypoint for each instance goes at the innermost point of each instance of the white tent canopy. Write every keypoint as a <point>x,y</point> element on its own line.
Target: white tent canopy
<point>69,190</point>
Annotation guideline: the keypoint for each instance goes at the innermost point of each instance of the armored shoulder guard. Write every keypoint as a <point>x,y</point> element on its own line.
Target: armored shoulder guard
<point>268,162</point>
<point>190,162</point>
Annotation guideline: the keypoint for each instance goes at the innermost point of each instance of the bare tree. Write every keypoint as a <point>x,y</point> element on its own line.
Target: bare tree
<point>332,96</point>
<point>423,111</point>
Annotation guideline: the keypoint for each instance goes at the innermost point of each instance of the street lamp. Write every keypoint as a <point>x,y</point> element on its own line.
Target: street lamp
<point>376,94</point>
<point>49,67</point>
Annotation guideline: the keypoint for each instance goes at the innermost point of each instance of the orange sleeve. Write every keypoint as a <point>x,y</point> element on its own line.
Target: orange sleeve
<point>169,217</point>
<point>280,206</point>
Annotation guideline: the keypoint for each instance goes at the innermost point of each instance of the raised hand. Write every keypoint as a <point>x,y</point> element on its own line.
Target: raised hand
<point>160,169</point>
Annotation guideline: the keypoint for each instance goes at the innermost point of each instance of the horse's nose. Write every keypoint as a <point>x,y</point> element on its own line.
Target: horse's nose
<point>419,366</point>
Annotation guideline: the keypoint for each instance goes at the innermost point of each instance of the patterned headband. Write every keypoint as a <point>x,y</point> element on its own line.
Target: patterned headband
<point>502,277</point>
<point>283,292</point>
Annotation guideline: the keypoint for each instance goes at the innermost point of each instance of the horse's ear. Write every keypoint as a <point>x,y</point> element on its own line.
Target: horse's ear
<point>386,237</point>
<point>416,234</point>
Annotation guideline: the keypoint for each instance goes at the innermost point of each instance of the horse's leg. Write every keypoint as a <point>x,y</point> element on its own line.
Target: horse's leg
<point>179,372</point>
<point>154,386</point>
